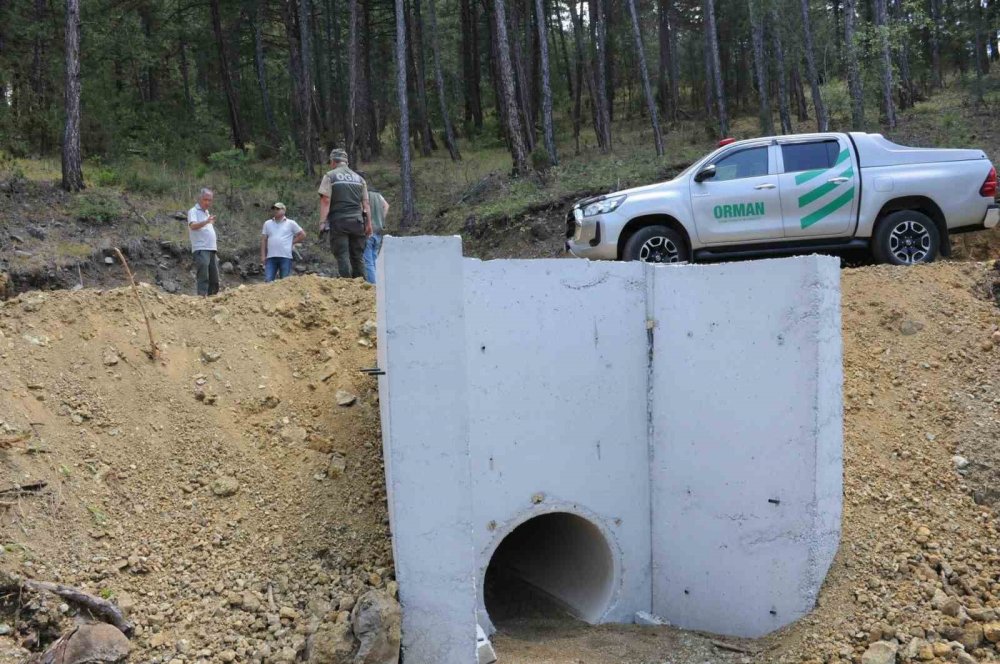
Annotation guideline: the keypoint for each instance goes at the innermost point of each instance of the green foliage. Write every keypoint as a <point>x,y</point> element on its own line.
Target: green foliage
<point>97,207</point>
<point>139,183</point>
<point>540,159</point>
<point>11,171</point>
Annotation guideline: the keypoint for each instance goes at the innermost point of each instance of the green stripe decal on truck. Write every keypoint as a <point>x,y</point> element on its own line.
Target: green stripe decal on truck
<point>805,176</point>
<point>823,189</point>
<point>828,209</point>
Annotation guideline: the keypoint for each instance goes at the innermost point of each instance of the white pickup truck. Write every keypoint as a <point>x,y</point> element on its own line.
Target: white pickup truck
<point>795,194</point>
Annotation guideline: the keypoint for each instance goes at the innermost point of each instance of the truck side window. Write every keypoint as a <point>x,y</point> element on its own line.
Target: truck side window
<point>816,155</point>
<point>748,163</point>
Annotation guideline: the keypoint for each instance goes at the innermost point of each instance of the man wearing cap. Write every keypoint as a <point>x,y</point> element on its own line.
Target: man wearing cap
<point>276,240</point>
<point>344,208</point>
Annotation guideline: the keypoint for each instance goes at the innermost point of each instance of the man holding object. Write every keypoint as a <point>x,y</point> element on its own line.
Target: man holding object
<point>201,231</point>
<point>276,240</point>
<point>344,208</point>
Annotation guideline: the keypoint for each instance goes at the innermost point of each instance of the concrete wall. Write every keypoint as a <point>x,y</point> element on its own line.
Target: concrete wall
<point>667,406</point>
<point>746,398</point>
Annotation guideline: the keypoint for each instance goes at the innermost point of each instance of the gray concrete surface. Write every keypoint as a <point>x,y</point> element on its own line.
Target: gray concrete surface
<point>689,417</point>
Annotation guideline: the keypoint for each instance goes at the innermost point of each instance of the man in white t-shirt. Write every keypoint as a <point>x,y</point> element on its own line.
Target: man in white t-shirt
<point>276,240</point>
<point>201,230</point>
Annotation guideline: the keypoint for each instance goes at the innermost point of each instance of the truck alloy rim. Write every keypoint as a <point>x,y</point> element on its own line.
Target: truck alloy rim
<point>659,249</point>
<point>910,242</point>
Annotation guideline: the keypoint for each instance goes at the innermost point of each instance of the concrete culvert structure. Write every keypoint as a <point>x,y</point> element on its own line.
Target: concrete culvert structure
<point>551,564</point>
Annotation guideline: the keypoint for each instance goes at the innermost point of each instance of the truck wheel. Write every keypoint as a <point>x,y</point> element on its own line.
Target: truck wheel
<point>656,244</point>
<point>906,237</point>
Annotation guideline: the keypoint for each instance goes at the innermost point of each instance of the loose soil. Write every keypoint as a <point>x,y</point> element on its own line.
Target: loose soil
<point>222,487</point>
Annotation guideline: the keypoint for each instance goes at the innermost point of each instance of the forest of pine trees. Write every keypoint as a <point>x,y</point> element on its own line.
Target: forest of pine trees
<point>392,77</point>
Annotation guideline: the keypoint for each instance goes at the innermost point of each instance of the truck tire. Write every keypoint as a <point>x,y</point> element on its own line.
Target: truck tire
<point>656,244</point>
<point>906,237</point>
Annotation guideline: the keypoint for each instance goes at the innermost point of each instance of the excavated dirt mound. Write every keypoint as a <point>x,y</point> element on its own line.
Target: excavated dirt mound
<point>225,498</point>
<point>220,494</point>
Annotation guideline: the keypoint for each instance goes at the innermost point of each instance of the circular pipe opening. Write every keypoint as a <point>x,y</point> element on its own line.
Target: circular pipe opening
<point>550,565</point>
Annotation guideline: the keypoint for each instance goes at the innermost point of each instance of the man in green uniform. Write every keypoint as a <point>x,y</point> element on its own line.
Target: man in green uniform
<point>345,210</point>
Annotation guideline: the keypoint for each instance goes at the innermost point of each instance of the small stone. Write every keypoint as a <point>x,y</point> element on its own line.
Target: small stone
<point>288,613</point>
<point>345,398</point>
<point>940,648</point>
<point>910,327</point>
<point>376,620</point>
<point>97,643</point>
<point>294,434</point>
<point>374,580</point>
<point>5,629</point>
<point>108,260</point>
<point>225,486</point>
<point>880,652</point>
<point>125,602</point>
<point>210,355</point>
<point>227,656</point>
<point>959,461</point>
<point>250,603</point>
<point>965,658</point>
<point>110,358</point>
<point>972,636</point>
<point>369,329</point>
<point>991,632</point>
<point>333,643</point>
<point>227,268</point>
<point>951,607</point>
<point>923,535</point>
<point>337,466</point>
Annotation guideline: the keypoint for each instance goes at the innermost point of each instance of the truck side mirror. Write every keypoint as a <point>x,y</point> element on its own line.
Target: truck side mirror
<point>705,173</point>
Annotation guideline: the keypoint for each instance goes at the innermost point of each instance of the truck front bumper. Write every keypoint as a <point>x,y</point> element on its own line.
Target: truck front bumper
<point>992,217</point>
<point>587,238</point>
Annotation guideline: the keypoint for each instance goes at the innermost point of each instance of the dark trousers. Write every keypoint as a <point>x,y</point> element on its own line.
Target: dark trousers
<point>349,250</point>
<point>207,265</point>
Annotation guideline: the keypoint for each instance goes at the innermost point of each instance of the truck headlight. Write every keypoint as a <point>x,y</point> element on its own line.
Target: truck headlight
<point>603,207</point>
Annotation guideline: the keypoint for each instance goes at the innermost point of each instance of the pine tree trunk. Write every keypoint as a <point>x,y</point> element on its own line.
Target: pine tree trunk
<point>581,74</point>
<point>519,57</point>
<point>907,90</point>
<point>352,76</point>
<point>185,75</point>
<point>543,50</point>
<point>600,78</point>
<point>471,64</point>
<point>556,31</point>
<point>801,109</point>
<point>881,23</point>
<point>232,102</point>
<point>72,158</point>
<point>760,69</point>
<point>449,132</point>
<point>647,88</point>
<point>822,119</point>
<point>854,84</point>
<point>666,85</point>
<point>784,110</point>
<point>265,96</point>
<point>713,45</point>
<point>508,96</point>
<point>935,39</point>
<point>409,216</point>
<point>428,143</point>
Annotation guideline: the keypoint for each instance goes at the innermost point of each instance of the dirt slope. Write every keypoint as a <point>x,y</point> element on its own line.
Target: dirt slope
<point>141,458</point>
<point>136,452</point>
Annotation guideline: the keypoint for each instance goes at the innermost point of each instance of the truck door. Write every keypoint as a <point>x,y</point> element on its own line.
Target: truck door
<point>819,192</point>
<point>741,202</point>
